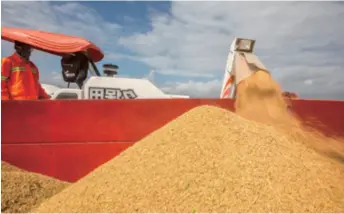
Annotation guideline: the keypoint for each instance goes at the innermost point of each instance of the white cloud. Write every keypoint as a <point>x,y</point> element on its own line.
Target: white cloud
<point>210,88</point>
<point>68,17</point>
<point>308,82</point>
<point>296,40</point>
<point>65,17</point>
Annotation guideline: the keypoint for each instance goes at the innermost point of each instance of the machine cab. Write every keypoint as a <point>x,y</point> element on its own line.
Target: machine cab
<point>109,86</point>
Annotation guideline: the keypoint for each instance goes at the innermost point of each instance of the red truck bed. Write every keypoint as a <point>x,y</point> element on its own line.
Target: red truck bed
<point>68,139</point>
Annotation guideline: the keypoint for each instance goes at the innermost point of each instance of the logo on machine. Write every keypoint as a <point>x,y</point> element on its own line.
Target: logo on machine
<point>111,93</point>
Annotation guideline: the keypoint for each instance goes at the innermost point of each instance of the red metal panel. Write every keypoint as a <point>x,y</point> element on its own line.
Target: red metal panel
<point>125,120</point>
<point>325,115</point>
<point>36,135</point>
<point>65,161</point>
<point>90,120</point>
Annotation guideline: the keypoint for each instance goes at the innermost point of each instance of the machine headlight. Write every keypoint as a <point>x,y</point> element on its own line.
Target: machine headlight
<point>245,45</point>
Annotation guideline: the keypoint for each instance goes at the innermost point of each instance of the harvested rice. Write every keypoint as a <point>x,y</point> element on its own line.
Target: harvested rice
<point>209,160</point>
<point>21,191</point>
<point>6,167</point>
<point>260,99</point>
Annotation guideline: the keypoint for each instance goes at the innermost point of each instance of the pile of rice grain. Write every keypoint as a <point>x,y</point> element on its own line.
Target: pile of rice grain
<point>6,167</point>
<point>21,191</point>
<point>209,160</point>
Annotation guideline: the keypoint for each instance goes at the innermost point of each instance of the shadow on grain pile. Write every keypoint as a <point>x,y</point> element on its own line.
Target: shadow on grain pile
<point>211,160</point>
<point>21,191</point>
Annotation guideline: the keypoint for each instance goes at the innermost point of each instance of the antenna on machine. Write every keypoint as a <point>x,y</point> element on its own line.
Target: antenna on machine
<point>150,75</point>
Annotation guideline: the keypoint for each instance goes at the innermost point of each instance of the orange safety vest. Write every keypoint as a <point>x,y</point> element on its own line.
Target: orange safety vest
<point>20,80</point>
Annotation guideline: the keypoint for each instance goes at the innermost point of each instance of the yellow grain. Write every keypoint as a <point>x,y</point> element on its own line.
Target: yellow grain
<point>209,160</point>
<point>21,191</point>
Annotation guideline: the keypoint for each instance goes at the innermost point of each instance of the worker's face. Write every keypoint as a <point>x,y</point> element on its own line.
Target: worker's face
<point>24,51</point>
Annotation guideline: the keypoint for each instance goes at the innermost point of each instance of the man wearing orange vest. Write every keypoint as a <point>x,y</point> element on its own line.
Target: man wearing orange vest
<point>20,77</point>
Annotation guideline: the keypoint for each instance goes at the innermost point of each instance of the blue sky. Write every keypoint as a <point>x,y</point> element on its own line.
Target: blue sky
<point>187,42</point>
<point>134,16</point>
